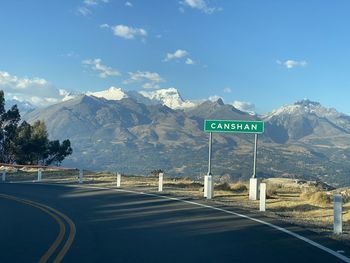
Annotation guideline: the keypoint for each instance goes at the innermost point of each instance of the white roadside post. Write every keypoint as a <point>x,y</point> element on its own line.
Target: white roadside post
<point>254,182</point>
<point>338,217</point>
<point>262,206</point>
<point>4,176</point>
<point>81,176</point>
<point>160,185</point>
<point>119,178</point>
<point>40,174</point>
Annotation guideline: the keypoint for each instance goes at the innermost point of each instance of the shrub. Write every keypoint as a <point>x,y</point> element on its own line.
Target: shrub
<point>239,187</point>
<point>223,187</point>
<point>272,190</point>
<point>320,198</point>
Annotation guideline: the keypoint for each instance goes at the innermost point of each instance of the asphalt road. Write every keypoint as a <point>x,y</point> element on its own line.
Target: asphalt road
<point>115,226</point>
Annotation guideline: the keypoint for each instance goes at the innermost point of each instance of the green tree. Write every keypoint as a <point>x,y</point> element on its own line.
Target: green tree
<point>39,142</point>
<point>25,143</point>
<point>57,152</point>
<point>8,127</point>
<point>33,146</point>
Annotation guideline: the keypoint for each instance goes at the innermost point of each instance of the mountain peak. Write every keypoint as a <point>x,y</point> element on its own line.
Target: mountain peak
<point>112,93</point>
<point>220,102</point>
<point>169,97</point>
<point>307,103</point>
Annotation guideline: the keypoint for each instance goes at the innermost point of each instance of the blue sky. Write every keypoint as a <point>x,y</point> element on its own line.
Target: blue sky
<point>267,53</point>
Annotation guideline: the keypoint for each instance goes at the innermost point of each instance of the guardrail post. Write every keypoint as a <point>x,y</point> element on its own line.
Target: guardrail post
<point>40,174</point>
<point>208,186</point>
<point>119,178</point>
<point>81,176</point>
<point>338,214</point>
<point>262,206</point>
<point>4,176</point>
<point>253,189</point>
<point>160,185</point>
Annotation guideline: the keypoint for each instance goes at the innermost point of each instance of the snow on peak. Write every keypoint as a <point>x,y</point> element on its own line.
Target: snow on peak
<point>111,94</point>
<point>305,106</point>
<point>169,97</point>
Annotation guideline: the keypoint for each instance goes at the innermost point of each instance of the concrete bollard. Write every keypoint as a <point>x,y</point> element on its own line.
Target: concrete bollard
<point>253,189</point>
<point>262,205</point>
<point>338,214</point>
<point>119,178</point>
<point>81,176</point>
<point>208,186</point>
<point>4,176</point>
<point>40,174</point>
<point>160,186</point>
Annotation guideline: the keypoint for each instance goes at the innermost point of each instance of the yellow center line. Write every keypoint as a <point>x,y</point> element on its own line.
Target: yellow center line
<point>54,214</point>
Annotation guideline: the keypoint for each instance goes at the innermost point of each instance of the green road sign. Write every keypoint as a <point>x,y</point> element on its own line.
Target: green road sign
<point>234,126</point>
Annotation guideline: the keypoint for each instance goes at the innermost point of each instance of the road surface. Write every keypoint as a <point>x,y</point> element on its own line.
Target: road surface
<point>49,223</point>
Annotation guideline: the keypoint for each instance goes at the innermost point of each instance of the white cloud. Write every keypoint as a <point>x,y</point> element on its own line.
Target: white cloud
<point>244,106</point>
<point>176,55</point>
<point>127,32</point>
<point>151,85</point>
<point>84,11</point>
<point>150,80</point>
<point>179,54</point>
<point>37,91</point>
<point>227,90</point>
<point>104,71</point>
<point>201,5</point>
<point>104,26</point>
<point>128,4</point>
<point>189,61</point>
<point>289,64</point>
<point>94,2</point>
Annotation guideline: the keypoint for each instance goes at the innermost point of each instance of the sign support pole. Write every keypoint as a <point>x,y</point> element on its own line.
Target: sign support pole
<point>255,153</point>
<point>208,179</point>
<point>210,151</point>
<point>253,182</point>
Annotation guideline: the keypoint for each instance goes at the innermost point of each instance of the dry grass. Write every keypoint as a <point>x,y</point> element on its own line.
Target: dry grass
<point>239,187</point>
<point>320,198</point>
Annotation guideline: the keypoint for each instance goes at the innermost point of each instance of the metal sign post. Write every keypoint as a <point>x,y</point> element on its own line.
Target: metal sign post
<point>233,126</point>
<point>254,182</point>
<point>255,153</point>
<point>208,180</point>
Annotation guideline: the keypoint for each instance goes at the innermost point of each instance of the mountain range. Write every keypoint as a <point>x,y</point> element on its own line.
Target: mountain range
<point>137,132</point>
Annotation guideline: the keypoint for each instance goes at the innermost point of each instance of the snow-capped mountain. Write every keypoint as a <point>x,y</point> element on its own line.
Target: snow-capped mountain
<point>306,118</point>
<point>306,106</point>
<point>168,97</point>
<point>112,93</point>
